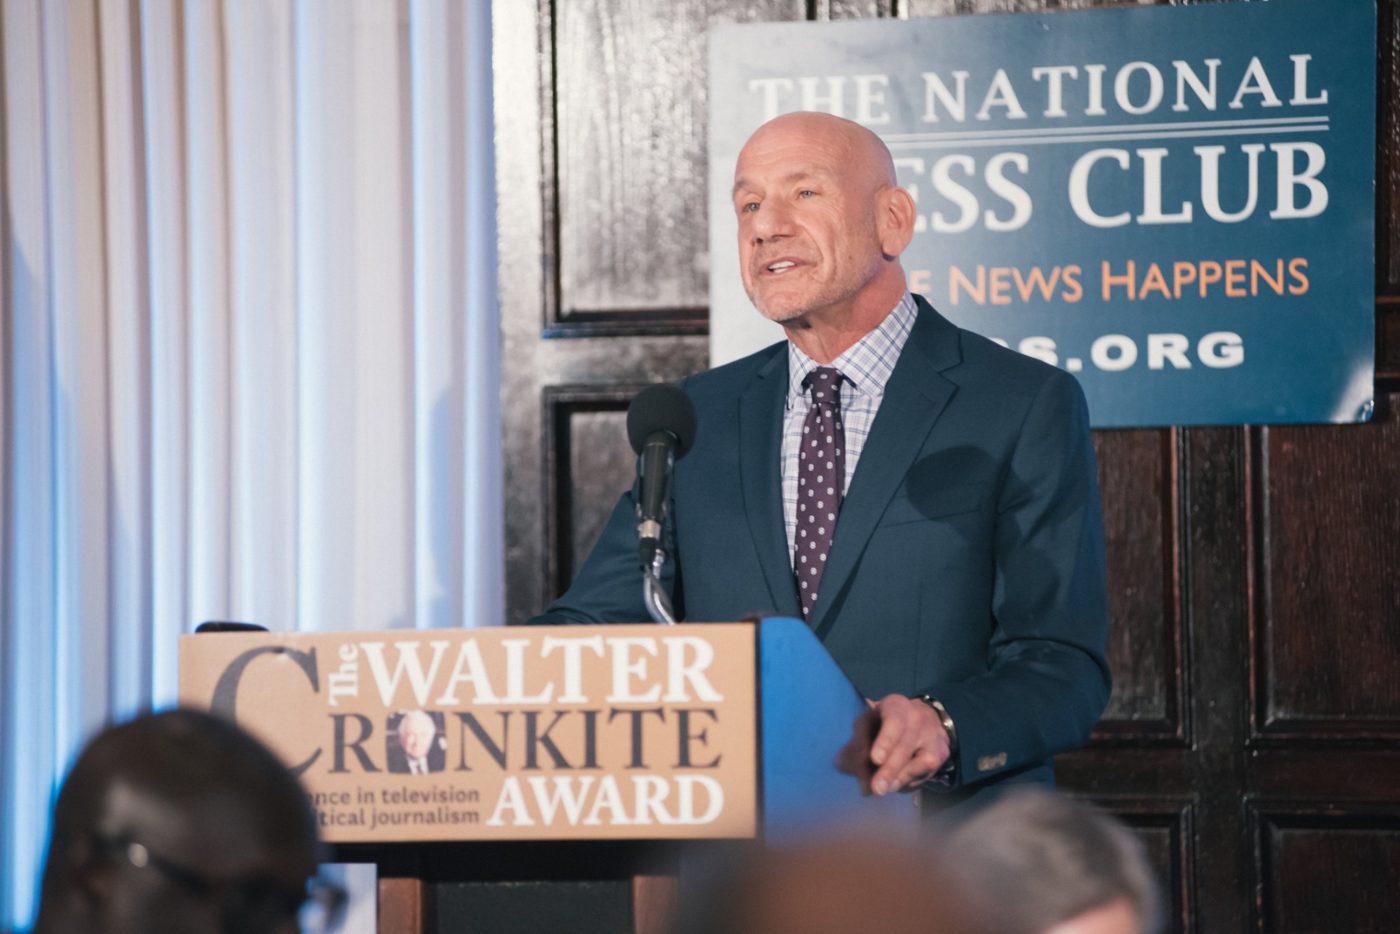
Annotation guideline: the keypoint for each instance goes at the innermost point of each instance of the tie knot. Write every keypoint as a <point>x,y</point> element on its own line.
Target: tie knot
<point>825,385</point>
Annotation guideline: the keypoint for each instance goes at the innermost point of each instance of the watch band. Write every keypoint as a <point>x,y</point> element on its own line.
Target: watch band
<point>948,772</point>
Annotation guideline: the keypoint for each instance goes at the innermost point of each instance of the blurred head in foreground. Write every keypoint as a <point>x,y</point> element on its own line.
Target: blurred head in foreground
<point>851,883</point>
<point>175,822</point>
<point>1037,862</point>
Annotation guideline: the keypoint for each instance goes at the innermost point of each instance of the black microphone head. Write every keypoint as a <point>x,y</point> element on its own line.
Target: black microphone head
<point>662,407</point>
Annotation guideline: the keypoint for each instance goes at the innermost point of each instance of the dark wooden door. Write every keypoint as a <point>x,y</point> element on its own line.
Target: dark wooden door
<point>1253,738</point>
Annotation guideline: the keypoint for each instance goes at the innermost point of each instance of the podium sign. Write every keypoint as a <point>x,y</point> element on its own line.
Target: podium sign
<point>587,732</point>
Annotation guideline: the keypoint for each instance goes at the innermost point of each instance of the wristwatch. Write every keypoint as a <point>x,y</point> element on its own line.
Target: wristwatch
<point>948,771</point>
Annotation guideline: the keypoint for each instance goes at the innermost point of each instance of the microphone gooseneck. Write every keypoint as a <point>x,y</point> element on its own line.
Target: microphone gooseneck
<point>661,428</point>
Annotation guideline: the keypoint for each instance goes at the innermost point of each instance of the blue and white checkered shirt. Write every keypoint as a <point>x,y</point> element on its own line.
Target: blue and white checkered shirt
<point>867,365</point>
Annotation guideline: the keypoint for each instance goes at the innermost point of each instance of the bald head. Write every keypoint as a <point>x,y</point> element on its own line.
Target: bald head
<point>822,222</point>
<point>868,157</point>
<point>162,811</point>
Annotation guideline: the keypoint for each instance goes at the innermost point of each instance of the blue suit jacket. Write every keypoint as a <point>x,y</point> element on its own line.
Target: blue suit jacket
<point>968,561</point>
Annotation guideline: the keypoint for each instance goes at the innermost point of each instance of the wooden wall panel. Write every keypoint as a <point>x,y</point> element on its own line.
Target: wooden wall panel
<point>531,98</point>
<point>1164,827</point>
<point>1328,587</point>
<point>1388,155</point>
<point>1322,867</point>
<point>599,469</point>
<point>954,7</point>
<point>588,463</point>
<point>632,240</point>
<point>851,9</point>
<point>1388,195</point>
<point>1388,340</point>
<point>1139,483</point>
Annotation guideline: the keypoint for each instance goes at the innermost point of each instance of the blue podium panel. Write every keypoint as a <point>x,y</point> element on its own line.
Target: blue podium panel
<point>807,706</point>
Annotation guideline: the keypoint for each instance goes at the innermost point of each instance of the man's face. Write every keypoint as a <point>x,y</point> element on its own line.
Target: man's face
<point>806,203</point>
<point>416,735</point>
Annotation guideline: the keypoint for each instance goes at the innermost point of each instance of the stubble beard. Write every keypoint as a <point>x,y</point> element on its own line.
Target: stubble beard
<point>786,316</point>
<point>789,311</point>
<point>792,312</point>
<point>825,292</point>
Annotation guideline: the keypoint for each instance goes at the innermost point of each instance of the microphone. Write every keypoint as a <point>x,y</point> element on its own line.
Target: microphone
<point>661,427</point>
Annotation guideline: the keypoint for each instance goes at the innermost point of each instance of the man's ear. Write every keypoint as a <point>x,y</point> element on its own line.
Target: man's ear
<point>894,220</point>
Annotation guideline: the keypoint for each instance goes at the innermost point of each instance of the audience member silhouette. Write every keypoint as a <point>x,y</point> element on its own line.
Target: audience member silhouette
<point>177,822</point>
<point>1037,862</point>
<point>843,883</point>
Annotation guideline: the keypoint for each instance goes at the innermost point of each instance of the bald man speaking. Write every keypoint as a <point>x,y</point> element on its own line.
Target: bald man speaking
<point>924,498</point>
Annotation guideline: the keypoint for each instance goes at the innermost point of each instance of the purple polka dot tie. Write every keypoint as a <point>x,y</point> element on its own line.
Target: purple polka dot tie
<point>821,472</point>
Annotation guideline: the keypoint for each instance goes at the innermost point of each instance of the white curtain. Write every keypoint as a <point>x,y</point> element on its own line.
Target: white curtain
<point>250,347</point>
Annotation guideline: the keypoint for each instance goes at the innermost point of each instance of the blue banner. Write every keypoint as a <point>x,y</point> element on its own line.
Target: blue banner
<point>1175,204</point>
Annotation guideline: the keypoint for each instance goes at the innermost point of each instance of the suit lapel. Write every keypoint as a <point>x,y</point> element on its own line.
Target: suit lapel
<point>760,450</point>
<point>914,398</point>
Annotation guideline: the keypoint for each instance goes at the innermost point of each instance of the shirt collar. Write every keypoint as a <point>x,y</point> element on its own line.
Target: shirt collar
<point>866,364</point>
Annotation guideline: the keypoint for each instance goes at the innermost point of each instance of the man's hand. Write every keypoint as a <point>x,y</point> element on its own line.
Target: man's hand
<point>896,744</point>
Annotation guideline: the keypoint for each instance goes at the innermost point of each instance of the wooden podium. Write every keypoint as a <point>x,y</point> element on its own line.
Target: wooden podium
<point>528,778</point>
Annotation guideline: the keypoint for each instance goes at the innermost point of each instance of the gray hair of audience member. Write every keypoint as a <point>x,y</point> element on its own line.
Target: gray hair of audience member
<point>851,881</point>
<point>1036,859</point>
<point>177,821</point>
